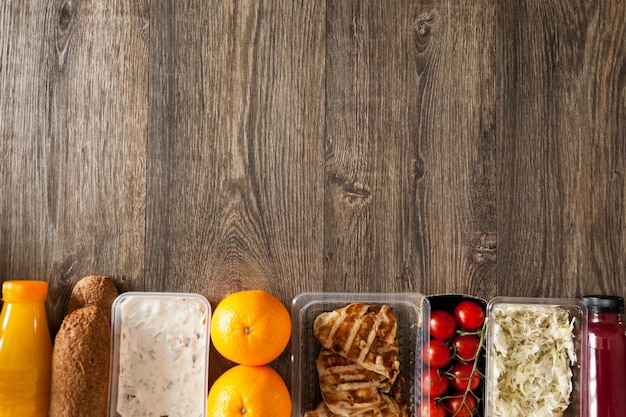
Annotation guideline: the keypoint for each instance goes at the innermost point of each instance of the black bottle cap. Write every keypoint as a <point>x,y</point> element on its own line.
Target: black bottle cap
<point>604,303</point>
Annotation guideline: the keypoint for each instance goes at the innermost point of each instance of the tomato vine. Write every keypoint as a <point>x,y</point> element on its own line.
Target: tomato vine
<point>465,346</point>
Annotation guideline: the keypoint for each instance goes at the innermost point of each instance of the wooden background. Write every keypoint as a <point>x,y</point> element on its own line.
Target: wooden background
<point>213,146</point>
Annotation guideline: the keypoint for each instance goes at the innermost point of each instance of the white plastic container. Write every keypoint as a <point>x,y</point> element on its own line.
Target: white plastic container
<point>159,355</point>
<point>509,307</point>
<point>411,311</point>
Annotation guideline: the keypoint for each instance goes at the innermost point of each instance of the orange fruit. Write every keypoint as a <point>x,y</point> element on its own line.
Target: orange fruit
<point>250,391</point>
<point>250,327</point>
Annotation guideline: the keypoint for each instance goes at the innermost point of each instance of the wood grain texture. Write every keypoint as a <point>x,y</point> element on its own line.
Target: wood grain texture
<point>457,146</point>
<point>562,148</point>
<point>211,146</point>
<point>370,177</point>
<point>74,116</point>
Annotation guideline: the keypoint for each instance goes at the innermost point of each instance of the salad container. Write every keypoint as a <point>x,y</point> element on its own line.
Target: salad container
<point>411,311</point>
<point>536,357</point>
<point>159,354</point>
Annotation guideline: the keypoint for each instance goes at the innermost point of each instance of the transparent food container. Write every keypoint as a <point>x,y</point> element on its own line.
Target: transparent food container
<point>448,303</point>
<point>159,355</point>
<point>411,311</point>
<point>518,340</point>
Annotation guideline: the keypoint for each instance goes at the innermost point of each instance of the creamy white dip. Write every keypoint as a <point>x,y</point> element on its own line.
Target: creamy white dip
<point>162,356</point>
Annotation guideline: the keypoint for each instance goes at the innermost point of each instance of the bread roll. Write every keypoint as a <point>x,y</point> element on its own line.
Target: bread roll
<point>80,365</point>
<point>93,290</point>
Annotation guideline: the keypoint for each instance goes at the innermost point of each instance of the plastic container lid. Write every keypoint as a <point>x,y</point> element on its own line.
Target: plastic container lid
<point>24,290</point>
<point>604,303</point>
<point>159,354</point>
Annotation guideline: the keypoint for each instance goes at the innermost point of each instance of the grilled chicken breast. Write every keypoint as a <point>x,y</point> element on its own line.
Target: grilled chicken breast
<point>348,388</point>
<point>364,334</point>
<point>358,366</point>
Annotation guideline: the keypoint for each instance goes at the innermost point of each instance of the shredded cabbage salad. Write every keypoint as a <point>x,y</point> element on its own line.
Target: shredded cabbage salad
<point>530,357</point>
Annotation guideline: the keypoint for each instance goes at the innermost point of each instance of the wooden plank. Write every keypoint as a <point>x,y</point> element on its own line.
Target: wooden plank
<point>457,140</point>
<point>73,126</point>
<point>236,149</point>
<point>370,152</point>
<point>561,148</point>
<point>410,203</point>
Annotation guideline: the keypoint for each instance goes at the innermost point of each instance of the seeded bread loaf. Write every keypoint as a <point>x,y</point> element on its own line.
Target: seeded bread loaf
<point>80,365</point>
<point>81,352</point>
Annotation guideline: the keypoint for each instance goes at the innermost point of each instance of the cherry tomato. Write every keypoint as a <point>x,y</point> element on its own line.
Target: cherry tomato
<point>464,376</point>
<point>437,354</point>
<point>466,346</point>
<point>431,409</point>
<point>469,315</point>
<point>442,325</point>
<point>434,384</point>
<point>461,406</point>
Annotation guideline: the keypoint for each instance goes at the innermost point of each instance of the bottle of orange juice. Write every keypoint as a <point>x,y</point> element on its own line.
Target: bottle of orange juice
<point>25,350</point>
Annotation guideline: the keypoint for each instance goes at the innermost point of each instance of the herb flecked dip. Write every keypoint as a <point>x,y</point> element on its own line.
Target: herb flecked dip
<point>162,356</point>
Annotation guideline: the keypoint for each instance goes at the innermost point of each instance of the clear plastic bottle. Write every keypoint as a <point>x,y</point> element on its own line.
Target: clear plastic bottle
<point>25,350</point>
<point>606,384</point>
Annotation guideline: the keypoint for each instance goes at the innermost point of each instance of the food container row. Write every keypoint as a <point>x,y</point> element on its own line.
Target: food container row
<point>162,340</point>
<point>520,335</point>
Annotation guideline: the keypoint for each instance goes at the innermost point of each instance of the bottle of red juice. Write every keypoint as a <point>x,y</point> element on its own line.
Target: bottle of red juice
<point>606,349</point>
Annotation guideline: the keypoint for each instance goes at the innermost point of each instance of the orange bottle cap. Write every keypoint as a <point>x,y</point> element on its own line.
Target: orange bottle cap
<point>24,290</point>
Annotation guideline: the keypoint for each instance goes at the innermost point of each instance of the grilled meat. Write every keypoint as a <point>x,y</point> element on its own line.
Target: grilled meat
<point>364,334</point>
<point>348,388</point>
